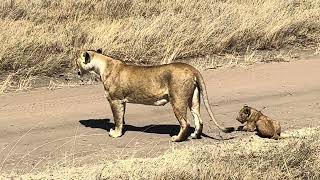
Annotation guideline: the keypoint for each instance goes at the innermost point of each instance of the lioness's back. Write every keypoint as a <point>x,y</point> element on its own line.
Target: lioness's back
<point>167,71</point>
<point>171,66</point>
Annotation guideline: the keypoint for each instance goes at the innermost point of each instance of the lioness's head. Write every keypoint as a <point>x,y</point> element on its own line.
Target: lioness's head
<point>83,65</point>
<point>244,114</point>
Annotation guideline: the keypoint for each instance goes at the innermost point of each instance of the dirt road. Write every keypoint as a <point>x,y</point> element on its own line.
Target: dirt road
<point>69,126</point>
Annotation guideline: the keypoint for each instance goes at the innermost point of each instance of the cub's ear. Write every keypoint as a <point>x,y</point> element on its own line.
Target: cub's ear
<point>86,57</point>
<point>99,51</point>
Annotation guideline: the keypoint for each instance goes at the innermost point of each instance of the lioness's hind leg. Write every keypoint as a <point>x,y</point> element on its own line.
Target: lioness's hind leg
<point>118,111</point>
<point>195,111</point>
<point>180,111</point>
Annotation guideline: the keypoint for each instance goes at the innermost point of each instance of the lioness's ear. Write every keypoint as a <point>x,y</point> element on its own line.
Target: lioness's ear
<point>99,51</point>
<point>86,57</point>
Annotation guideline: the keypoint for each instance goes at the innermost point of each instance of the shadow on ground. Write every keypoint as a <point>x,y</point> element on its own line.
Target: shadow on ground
<point>153,128</point>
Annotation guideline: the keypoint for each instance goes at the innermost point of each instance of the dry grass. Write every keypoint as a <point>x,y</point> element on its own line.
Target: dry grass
<point>296,156</point>
<point>21,84</point>
<point>5,84</point>
<point>318,49</point>
<point>42,37</point>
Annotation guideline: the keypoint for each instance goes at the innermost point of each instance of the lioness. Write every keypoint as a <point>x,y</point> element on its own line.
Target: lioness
<point>177,83</point>
<point>265,126</point>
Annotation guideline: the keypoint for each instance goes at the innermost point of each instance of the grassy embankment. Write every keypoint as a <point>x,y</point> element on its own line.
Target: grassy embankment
<point>296,156</point>
<point>41,38</point>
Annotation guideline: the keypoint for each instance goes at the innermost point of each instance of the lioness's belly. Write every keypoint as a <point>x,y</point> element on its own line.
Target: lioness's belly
<point>147,89</point>
<point>148,99</point>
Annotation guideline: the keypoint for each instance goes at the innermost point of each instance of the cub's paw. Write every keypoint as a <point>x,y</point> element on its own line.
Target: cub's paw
<point>241,128</point>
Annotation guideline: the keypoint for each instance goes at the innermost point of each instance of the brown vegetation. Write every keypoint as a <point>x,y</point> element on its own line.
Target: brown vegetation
<point>42,37</point>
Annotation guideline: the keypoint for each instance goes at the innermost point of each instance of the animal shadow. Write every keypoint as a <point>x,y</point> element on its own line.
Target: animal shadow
<point>152,128</point>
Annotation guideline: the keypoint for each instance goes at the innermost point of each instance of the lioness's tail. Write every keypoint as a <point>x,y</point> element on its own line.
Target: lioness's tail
<point>203,91</point>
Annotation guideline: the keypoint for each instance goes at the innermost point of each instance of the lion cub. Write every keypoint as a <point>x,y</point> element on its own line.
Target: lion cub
<point>265,126</point>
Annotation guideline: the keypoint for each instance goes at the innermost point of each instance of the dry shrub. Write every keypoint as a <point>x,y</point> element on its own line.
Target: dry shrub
<point>42,37</point>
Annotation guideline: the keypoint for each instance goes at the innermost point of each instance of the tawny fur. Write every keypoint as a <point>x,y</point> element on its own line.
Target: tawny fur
<point>255,120</point>
<point>177,83</point>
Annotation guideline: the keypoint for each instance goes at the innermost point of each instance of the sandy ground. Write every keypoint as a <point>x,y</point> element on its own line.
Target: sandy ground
<point>69,127</point>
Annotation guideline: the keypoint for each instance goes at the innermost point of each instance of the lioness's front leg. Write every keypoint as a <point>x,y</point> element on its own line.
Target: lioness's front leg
<point>118,111</point>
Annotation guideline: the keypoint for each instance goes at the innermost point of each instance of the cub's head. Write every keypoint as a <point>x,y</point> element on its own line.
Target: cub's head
<point>244,114</point>
<point>83,65</point>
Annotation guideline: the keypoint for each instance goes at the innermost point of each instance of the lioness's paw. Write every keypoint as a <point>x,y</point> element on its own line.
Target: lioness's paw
<point>176,139</point>
<point>195,136</point>
<point>114,133</point>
